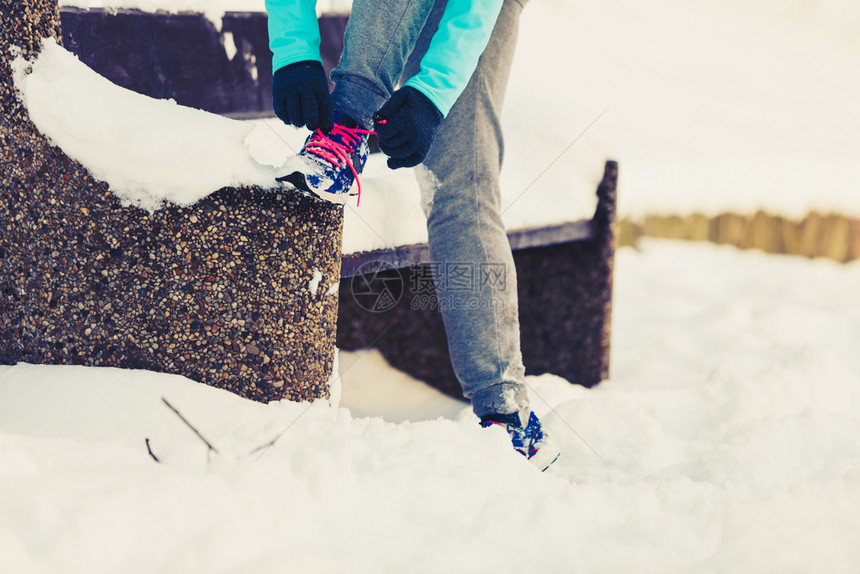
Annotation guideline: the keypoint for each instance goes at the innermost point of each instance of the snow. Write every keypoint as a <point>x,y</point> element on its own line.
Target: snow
<point>314,284</point>
<point>373,389</point>
<point>724,442</point>
<point>154,151</point>
<point>148,150</point>
<point>712,106</point>
<point>229,45</point>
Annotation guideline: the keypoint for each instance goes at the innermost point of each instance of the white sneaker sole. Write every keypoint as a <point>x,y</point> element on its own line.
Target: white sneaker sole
<point>547,454</point>
<point>336,198</point>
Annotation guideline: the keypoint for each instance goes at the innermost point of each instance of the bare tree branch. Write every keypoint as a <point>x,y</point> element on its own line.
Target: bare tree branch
<point>266,445</point>
<point>149,450</point>
<point>189,425</point>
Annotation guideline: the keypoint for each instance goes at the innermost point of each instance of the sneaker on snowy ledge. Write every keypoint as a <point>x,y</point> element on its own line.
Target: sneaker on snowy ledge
<point>329,163</point>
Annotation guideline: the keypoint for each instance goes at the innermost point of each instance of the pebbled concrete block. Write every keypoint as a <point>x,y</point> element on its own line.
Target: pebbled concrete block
<point>218,292</point>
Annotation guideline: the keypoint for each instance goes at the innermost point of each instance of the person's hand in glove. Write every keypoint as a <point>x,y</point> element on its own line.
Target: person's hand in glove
<point>300,96</point>
<point>406,125</point>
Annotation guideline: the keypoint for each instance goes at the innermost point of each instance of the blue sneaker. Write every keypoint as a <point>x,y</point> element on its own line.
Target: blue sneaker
<point>532,441</point>
<point>329,163</point>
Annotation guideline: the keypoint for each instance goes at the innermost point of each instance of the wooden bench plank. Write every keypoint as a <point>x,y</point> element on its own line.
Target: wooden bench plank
<point>417,254</point>
<point>565,300</point>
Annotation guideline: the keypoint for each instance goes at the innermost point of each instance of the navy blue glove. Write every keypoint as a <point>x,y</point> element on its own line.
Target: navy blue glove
<point>300,96</point>
<point>406,125</point>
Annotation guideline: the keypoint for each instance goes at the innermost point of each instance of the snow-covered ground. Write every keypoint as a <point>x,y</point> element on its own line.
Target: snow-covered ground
<point>726,441</point>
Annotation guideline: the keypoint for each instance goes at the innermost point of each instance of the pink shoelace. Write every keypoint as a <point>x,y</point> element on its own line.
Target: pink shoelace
<point>338,153</point>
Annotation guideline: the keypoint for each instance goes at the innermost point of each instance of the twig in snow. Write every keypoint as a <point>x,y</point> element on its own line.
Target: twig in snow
<point>189,425</point>
<point>149,449</point>
<point>264,446</point>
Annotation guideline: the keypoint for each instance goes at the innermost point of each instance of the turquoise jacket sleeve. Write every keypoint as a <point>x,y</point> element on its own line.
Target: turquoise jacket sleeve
<point>294,34</point>
<point>452,57</point>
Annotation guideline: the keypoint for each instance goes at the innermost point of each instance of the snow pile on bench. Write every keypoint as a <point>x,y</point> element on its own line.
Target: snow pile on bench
<point>147,150</point>
<point>150,151</point>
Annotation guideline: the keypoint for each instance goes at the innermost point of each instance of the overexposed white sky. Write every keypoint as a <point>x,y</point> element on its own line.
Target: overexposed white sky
<point>708,106</point>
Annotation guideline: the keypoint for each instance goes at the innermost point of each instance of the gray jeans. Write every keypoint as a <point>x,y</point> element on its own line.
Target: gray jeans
<point>473,267</point>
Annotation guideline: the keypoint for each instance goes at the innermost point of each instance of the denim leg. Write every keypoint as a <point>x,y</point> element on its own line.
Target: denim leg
<point>474,269</point>
<point>379,37</point>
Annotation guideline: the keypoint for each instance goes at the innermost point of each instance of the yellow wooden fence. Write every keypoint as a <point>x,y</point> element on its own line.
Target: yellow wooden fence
<point>817,235</point>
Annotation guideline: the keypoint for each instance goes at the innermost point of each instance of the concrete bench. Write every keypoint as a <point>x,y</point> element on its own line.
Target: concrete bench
<point>564,270</point>
<point>217,291</point>
<point>564,280</point>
